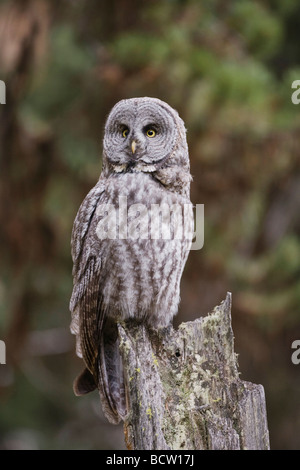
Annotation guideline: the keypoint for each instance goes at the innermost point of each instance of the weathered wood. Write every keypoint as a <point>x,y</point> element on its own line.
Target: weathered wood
<point>184,390</point>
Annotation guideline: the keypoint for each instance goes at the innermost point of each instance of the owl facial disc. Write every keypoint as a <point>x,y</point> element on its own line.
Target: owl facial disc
<point>140,134</point>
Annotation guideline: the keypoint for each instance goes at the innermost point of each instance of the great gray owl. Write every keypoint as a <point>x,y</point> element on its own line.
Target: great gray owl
<point>129,275</point>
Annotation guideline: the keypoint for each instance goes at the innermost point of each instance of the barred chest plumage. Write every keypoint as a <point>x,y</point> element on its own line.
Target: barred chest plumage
<point>140,237</point>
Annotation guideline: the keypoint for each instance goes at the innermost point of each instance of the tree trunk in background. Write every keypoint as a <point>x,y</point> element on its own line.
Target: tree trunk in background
<point>27,156</point>
<point>184,390</point>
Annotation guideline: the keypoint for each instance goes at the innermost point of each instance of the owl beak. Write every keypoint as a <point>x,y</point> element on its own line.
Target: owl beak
<point>133,146</point>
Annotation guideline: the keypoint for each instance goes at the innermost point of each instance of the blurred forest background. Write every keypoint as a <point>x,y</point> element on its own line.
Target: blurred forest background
<point>227,67</point>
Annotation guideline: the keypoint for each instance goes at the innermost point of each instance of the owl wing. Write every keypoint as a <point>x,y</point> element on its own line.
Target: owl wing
<point>86,316</point>
<point>96,340</point>
<point>83,265</point>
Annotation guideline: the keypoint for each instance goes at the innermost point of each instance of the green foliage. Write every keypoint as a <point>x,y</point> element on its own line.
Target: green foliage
<point>134,50</point>
<point>59,83</point>
<point>260,30</point>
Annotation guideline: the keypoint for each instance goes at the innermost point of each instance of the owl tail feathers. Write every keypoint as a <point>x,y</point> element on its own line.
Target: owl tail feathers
<point>84,383</point>
<point>109,408</point>
<point>111,379</point>
<point>112,403</point>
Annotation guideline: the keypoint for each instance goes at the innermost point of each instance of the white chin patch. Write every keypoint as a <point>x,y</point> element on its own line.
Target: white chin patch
<point>119,168</point>
<point>144,168</point>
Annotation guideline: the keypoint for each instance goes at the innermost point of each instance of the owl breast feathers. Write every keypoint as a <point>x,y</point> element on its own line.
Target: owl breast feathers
<point>130,241</point>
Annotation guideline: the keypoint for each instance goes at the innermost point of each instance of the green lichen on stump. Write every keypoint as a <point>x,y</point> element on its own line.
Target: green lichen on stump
<point>189,380</point>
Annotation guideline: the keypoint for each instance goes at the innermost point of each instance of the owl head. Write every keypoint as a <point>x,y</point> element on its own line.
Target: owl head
<point>144,135</point>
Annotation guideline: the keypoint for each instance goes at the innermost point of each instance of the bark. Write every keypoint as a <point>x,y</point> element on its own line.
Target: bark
<point>184,390</point>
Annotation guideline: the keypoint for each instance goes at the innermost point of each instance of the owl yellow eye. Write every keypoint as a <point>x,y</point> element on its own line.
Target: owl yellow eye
<point>125,133</point>
<point>151,133</point>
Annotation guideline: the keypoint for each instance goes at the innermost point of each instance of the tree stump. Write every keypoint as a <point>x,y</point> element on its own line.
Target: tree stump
<point>184,390</point>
